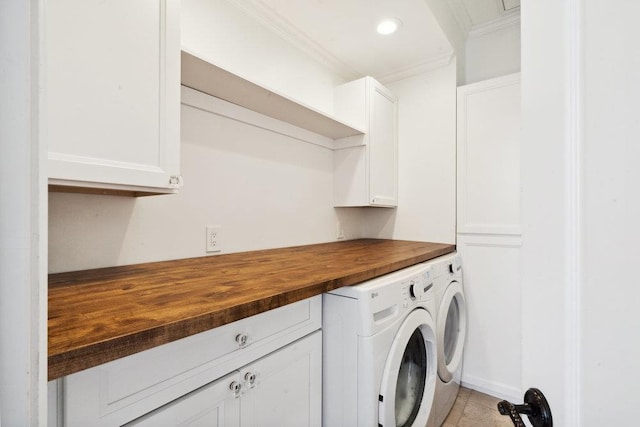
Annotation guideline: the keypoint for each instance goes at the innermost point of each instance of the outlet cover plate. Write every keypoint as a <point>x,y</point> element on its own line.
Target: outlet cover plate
<point>214,242</point>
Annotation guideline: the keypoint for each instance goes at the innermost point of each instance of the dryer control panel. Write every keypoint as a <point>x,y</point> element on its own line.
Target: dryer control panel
<point>448,265</point>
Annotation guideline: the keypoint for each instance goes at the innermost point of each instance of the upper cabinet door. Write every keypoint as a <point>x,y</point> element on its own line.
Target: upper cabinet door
<point>383,147</point>
<point>366,166</point>
<point>112,94</point>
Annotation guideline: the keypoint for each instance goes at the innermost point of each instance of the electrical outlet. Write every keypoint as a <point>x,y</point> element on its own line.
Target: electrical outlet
<point>214,242</point>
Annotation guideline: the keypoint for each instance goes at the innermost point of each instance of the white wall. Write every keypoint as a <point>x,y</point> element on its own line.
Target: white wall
<point>426,161</point>
<point>23,206</point>
<point>264,189</point>
<point>493,54</point>
<point>219,31</point>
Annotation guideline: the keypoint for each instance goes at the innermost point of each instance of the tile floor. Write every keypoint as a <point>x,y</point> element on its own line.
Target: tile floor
<point>475,409</point>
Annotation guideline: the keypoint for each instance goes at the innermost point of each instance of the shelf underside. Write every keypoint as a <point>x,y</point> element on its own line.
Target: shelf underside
<point>205,77</point>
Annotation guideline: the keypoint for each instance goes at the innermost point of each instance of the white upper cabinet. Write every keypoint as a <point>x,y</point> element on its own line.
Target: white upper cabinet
<point>112,95</point>
<point>366,166</point>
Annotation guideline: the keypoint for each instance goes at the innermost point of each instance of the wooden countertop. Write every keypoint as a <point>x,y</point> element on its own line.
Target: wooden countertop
<point>100,315</point>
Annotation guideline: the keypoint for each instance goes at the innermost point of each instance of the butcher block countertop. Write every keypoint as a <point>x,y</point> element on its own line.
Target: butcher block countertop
<point>96,316</point>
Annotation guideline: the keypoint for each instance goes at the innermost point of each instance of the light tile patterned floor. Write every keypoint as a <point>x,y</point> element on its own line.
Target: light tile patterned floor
<point>475,409</point>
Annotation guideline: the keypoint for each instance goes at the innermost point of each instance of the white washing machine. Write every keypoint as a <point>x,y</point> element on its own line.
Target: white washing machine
<point>451,331</point>
<point>379,351</point>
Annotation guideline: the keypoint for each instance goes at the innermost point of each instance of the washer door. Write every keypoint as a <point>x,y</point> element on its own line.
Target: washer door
<point>408,380</point>
<point>452,329</point>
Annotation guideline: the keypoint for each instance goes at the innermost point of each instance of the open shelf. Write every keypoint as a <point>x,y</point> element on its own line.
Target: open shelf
<point>208,78</point>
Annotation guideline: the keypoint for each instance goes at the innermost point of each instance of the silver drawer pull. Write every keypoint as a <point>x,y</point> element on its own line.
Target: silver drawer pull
<point>242,339</point>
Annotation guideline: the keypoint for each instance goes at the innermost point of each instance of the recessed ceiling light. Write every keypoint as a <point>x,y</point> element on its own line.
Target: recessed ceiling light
<point>388,26</point>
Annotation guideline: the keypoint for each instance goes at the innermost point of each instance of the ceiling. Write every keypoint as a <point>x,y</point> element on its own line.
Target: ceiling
<point>342,33</point>
<point>484,11</point>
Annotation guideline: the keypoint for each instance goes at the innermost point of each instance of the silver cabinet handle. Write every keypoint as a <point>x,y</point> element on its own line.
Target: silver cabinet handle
<point>242,339</point>
<point>175,181</point>
<point>250,378</point>
<point>235,387</point>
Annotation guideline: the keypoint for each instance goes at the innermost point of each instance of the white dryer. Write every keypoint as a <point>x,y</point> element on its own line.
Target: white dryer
<point>379,351</point>
<point>451,331</point>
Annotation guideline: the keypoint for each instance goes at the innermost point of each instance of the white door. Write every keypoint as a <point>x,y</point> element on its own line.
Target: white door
<point>284,389</point>
<point>214,405</point>
<point>408,381</point>
<point>452,330</point>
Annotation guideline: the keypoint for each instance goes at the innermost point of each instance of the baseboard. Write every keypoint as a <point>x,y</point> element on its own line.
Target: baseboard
<point>492,388</point>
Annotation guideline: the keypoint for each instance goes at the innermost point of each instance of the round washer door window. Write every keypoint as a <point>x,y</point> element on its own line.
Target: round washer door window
<point>408,380</point>
<point>452,328</point>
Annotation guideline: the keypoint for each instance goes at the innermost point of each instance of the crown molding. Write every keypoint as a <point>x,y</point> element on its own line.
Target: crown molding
<point>415,69</point>
<point>287,31</point>
<point>507,19</point>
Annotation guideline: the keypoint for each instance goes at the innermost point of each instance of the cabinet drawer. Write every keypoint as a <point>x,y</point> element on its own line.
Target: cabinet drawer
<point>120,391</point>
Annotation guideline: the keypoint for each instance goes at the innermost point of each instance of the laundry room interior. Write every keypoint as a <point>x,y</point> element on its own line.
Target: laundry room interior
<point>497,195</point>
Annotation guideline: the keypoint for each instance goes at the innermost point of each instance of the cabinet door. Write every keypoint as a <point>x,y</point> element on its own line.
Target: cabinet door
<point>214,405</point>
<point>284,389</point>
<point>383,147</point>
<point>366,167</point>
<point>112,93</point>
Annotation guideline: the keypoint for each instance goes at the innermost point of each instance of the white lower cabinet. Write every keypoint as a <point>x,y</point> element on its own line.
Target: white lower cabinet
<point>281,389</point>
<point>287,390</point>
<point>213,405</point>
<point>271,377</point>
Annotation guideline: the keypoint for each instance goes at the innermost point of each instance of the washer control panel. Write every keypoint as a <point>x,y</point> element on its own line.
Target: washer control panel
<point>416,289</point>
<point>385,299</point>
